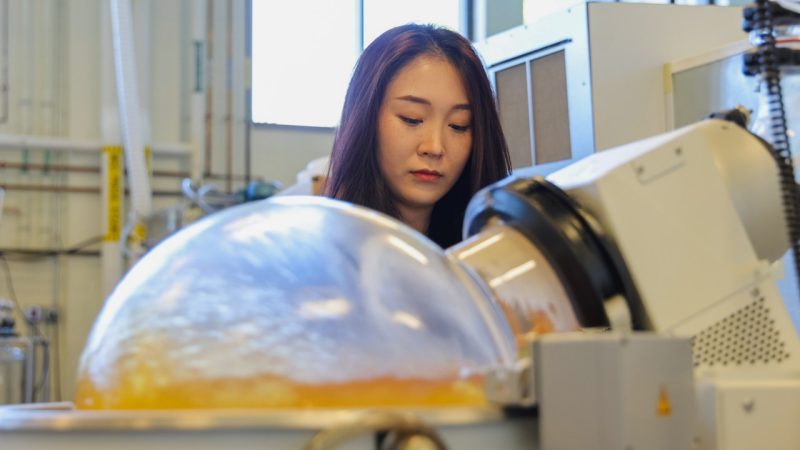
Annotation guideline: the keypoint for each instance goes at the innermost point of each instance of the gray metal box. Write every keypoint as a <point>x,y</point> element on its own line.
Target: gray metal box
<point>615,391</point>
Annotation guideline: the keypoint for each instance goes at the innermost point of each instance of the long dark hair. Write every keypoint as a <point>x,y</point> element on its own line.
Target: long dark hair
<point>354,174</point>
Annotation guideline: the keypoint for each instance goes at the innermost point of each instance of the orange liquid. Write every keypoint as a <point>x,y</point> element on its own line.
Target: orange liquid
<point>268,391</point>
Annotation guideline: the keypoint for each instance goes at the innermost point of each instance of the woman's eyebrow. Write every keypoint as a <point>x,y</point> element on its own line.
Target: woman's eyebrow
<point>426,102</point>
<point>414,99</point>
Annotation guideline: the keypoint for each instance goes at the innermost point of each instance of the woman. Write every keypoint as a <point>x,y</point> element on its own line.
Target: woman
<point>419,133</point>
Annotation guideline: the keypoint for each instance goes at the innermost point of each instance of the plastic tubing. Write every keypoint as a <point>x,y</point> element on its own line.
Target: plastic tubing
<point>128,97</point>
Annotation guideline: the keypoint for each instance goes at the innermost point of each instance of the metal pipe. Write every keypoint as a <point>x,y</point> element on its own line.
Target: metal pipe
<point>63,144</point>
<point>49,167</point>
<point>229,97</point>
<point>4,62</point>
<point>39,188</point>
<point>197,98</point>
<point>248,86</point>
<point>209,123</point>
<point>45,70</point>
<point>26,94</point>
<point>76,189</point>
<point>60,82</point>
<point>47,252</point>
<point>142,37</point>
<point>220,176</point>
<point>60,123</point>
<point>80,169</point>
<point>25,47</point>
<point>52,383</point>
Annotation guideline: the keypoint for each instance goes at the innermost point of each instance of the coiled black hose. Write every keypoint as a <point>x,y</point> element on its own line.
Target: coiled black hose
<point>763,24</point>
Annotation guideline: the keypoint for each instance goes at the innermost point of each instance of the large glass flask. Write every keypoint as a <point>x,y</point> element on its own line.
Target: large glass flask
<point>293,302</point>
<point>522,281</point>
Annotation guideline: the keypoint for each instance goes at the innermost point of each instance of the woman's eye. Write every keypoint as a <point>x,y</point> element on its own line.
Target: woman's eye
<point>459,128</point>
<point>410,121</point>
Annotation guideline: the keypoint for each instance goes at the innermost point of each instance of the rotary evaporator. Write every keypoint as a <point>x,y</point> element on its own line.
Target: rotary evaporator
<point>627,300</point>
<point>300,320</point>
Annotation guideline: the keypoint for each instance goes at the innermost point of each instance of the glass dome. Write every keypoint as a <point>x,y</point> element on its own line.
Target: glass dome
<point>293,302</point>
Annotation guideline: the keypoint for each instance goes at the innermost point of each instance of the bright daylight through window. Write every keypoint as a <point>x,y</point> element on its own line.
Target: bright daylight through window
<point>304,52</point>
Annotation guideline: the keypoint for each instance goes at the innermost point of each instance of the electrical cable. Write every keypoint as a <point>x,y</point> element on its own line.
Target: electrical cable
<point>56,342</point>
<point>771,76</point>
<point>37,389</point>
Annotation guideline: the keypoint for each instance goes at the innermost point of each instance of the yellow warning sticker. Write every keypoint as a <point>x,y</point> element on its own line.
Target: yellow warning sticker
<point>663,408</point>
<point>113,155</point>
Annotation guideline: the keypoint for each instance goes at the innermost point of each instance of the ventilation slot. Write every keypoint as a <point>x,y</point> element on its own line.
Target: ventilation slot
<point>746,337</point>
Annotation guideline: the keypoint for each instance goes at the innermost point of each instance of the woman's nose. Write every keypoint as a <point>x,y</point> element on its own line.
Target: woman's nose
<point>432,145</point>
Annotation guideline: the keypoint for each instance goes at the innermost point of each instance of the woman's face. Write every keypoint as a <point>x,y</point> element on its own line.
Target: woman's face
<point>424,132</point>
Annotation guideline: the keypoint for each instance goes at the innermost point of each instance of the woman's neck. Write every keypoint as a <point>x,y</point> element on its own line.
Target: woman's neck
<point>417,218</point>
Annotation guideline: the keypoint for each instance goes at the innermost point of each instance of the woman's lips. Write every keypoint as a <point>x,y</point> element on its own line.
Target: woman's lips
<point>426,175</point>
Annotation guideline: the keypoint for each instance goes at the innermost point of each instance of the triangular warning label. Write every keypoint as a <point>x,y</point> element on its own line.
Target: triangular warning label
<point>663,408</point>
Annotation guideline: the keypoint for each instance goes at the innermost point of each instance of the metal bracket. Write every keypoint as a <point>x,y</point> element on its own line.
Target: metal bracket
<point>512,386</point>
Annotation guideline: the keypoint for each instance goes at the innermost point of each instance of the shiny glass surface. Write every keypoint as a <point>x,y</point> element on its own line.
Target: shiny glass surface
<point>293,302</point>
<point>521,280</point>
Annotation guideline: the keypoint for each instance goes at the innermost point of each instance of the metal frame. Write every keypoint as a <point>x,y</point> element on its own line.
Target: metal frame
<point>675,67</point>
<point>565,31</point>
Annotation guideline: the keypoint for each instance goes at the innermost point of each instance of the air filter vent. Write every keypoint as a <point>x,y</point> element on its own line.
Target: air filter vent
<point>746,337</point>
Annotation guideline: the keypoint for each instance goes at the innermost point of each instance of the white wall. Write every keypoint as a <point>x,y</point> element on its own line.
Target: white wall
<point>279,153</point>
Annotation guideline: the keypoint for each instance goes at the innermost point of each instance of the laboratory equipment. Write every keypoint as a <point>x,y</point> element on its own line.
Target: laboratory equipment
<point>675,235</point>
<point>296,302</point>
<point>13,359</point>
<point>24,372</point>
<point>591,77</point>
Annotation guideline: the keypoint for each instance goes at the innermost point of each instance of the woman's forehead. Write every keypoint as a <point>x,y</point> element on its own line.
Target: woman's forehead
<point>429,77</point>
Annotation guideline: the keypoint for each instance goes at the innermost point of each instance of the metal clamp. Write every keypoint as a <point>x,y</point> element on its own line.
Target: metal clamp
<point>512,386</point>
<point>402,431</point>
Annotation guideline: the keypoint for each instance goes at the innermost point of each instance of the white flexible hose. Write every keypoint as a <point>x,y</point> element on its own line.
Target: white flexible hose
<point>128,96</point>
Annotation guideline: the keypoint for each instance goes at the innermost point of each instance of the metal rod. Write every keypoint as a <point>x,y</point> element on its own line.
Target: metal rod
<point>209,97</point>
<point>46,252</point>
<point>17,141</point>
<point>229,98</point>
<point>75,189</point>
<point>80,169</point>
<point>4,62</point>
<point>248,93</point>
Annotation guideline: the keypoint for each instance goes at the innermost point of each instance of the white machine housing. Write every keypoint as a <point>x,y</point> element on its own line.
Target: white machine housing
<point>697,216</point>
